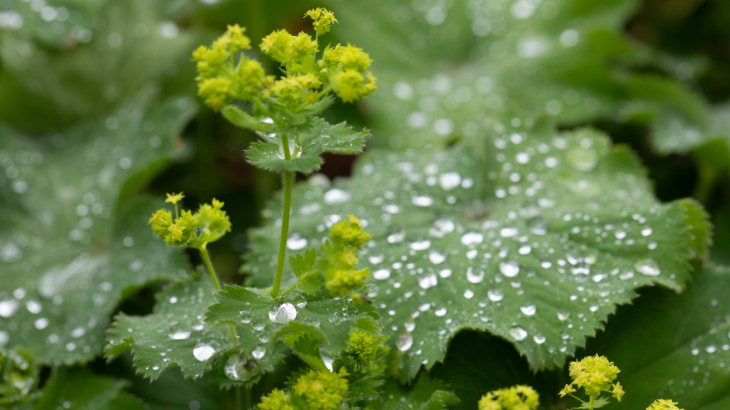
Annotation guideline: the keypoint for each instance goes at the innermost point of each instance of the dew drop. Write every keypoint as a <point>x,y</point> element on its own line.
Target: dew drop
<point>258,352</point>
<point>436,258</point>
<point>508,232</point>
<point>472,238</point>
<point>8,307</point>
<point>420,245</point>
<point>178,332</point>
<point>449,180</point>
<point>472,277</point>
<point>539,338</point>
<point>295,242</point>
<point>203,351</point>
<point>284,314</point>
<point>440,312</point>
<point>381,274</point>
<point>518,333</point>
<point>495,295</point>
<point>241,369</point>
<point>468,294</point>
<point>405,341</point>
<point>428,281</point>
<point>528,309</point>
<point>509,269</point>
<point>336,196</point>
<point>647,267</point>
<point>563,315</point>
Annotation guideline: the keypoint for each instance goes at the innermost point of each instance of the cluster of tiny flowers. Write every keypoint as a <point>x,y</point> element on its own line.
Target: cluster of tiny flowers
<point>186,229</point>
<point>663,405</point>
<point>315,390</point>
<point>340,257</point>
<point>510,398</point>
<point>221,79</point>
<point>342,69</point>
<point>594,374</point>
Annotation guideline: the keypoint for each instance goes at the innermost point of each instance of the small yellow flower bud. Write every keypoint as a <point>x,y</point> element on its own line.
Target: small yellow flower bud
<point>249,79</point>
<point>663,405</point>
<point>216,92</point>
<point>353,58</point>
<point>593,374</point>
<point>617,392</point>
<point>276,45</point>
<point>160,222</point>
<point>344,281</point>
<point>174,198</point>
<point>276,400</point>
<point>322,390</point>
<point>350,232</point>
<point>568,389</point>
<point>323,18</point>
<point>350,86</point>
<point>238,40</point>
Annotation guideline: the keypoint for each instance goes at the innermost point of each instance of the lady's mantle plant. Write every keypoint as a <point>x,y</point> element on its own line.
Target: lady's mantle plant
<point>282,110</point>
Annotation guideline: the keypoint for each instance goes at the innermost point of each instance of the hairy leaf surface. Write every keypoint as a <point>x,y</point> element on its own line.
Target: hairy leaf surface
<point>173,333</point>
<point>674,346</point>
<point>503,61</point>
<point>79,388</point>
<point>66,255</point>
<point>262,323</point>
<point>533,238</point>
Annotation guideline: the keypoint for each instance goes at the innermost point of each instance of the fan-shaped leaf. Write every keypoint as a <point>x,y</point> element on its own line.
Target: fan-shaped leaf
<point>173,333</point>
<point>534,238</point>
<point>82,389</point>
<point>66,255</point>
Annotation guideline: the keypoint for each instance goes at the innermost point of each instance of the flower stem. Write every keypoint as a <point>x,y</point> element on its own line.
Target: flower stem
<point>211,271</point>
<point>288,180</point>
<point>593,401</point>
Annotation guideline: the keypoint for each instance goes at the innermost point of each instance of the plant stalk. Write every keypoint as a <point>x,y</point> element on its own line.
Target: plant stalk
<point>211,270</point>
<point>288,181</point>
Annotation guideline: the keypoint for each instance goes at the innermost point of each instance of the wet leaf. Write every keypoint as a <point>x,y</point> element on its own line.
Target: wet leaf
<point>79,388</point>
<point>535,238</point>
<point>263,323</point>
<point>674,133</point>
<point>67,255</point>
<point>174,333</point>
<point>674,346</point>
<point>132,51</point>
<point>502,61</point>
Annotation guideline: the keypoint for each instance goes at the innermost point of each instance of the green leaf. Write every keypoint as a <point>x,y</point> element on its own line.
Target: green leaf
<point>600,402</point>
<point>130,56</point>
<point>535,238</point>
<point>304,267</point>
<point>306,145</point>
<point>83,389</point>
<point>674,346</point>
<point>67,256</point>
<point>262,322</point>
<point>676,133</point>
<point>18,376</point>
<point>173,333</point>
<point>425,394</point>
<point>565,60</point>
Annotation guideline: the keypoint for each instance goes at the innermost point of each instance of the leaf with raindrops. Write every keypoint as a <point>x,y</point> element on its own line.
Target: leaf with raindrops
<point>79,388</point>
<point>305,148</point>
<point>174,333</point>
<point>263,324</point>
<point>501,61</point>
<point>535,238</point>
<point>68,250</point>
<point>424,394</point>
<point>130,51</point>
<point>676,346</point>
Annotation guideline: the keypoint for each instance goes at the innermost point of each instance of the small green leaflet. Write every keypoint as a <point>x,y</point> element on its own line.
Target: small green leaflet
<point>535,238</point>
<point>261,322</point>
<point>314,139</point>
<point>66,254</point>
<point>674,346</point>
<point>79,388</point>
<point>674,133</point>
<point>173,333</point>
<point>304,267</point>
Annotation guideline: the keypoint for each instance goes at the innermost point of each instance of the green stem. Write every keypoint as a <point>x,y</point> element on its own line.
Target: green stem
<point>211,271</point>
<point>288,181</point>
<point>593,401</point>
<point>288,291</point>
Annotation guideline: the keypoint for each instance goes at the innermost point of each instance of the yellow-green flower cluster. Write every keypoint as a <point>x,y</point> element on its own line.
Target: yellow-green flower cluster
<point>186,229</point>
<point>511,398</point>
<point>594,374</point>
<point>323,19</point>
<point>340,258</point>
<point>221,79</point>
<point>364,349</point>
<point>348,72</point>
<point>276,400</point>
<point>663,405</point>
<point>321,389</point>
<point>288,49</point>
<point>315,390</point>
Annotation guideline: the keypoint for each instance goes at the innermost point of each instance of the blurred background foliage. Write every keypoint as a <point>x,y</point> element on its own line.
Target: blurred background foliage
<point>65,61</point>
